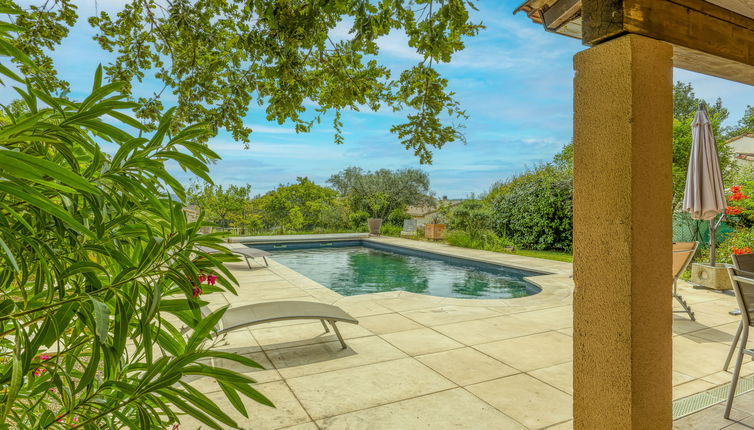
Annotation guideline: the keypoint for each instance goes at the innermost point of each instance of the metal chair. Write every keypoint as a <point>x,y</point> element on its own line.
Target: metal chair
<point>743,285</point>
<point>683,253</point>
<point>744,263</point>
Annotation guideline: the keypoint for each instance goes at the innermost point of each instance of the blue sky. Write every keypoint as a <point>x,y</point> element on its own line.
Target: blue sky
<point>514,80</point>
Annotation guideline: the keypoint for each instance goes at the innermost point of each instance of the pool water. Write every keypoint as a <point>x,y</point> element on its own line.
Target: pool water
<point>354,270</point>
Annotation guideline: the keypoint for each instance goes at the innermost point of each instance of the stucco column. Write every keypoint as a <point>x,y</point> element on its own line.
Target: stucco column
<point>622,235</point>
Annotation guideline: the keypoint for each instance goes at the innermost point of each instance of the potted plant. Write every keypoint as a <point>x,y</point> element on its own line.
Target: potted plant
<point>377,203</point>
<point>435,230</point>
<point>715,275</point>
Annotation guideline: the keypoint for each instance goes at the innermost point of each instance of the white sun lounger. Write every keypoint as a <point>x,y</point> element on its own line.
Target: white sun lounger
<point>245,252</point>
<point>259,313</point>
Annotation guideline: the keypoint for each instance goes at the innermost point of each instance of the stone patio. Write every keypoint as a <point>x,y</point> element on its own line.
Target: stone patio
<point>418,361</point>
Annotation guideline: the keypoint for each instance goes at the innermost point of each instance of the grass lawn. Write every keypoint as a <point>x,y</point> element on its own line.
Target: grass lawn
<point>547,255</point>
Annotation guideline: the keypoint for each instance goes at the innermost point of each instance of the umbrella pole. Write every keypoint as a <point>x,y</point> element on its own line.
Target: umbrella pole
<point>712,228</point>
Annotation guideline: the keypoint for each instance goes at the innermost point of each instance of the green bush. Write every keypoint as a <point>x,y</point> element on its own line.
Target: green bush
<point>397,216</point>
<point>97,267</point>
<point>359,218</point>
<point>471,216</point>
<point>535,209</point>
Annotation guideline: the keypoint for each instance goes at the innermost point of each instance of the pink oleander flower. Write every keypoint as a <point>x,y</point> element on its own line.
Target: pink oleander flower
<point>211,279</point>
<point>44,357</point>
<point>39,371</point>
<point>197,291</point>
<point>202,278</point>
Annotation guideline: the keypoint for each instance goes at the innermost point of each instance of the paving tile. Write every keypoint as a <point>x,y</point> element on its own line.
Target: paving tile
<point>568,425</point>
<point>466,366</point>
<point>559,376</point>
<point>387,323</point>
<point>560,317</point>
<point>709,419</point>
<point>490,329</point>
<point>525,399</point>
<point>446,410</point>
<point>689,388</point>
<point>287,411</point>
<point>421,341</point>
<point>449,314</point>
<point>697,357</point>
<point>531,352</point>
<point>306,426</point>
<point>341,391</point>
<point>324,357</point>
<point>271,337</point>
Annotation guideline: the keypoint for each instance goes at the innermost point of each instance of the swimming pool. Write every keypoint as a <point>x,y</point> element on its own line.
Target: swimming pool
<point>362,267</point>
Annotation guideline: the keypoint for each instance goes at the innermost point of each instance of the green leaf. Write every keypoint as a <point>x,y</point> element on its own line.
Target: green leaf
<point>101,319</point>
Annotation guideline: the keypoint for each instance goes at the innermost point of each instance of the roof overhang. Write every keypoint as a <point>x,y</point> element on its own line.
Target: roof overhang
<point>714,37</point>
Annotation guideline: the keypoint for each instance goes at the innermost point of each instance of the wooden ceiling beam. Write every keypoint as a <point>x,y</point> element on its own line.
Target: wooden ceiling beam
<point>695,25</point>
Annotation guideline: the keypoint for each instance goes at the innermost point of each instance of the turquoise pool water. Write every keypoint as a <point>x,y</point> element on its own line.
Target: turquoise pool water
<point>354,270</point>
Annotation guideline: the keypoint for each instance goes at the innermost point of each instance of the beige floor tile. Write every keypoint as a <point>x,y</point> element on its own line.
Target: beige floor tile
<point>697,357</point>
<point>490,329</point>
<point>306,426</point>
<point>556,318</point>
<point>525,399</point>
<point>452,409</point>
<point>361,309</point>
<point>303,334</point>
<point>421,341</point>
<point>466,366</point>
<point>568,425</point>
<point>709,419</point>
<point>409,303</point>
<point>689,388</point>
<point>287,410</point>
<point>681,378</point>
<point>559,376</point>
<point>341,391</point>
<point>387,323</point>
<point>531,352</point>
<point>324,357</point>
<point>449,314</point>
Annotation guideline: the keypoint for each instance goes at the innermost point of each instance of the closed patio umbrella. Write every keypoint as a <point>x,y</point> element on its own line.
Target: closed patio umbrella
<point>704,196</point>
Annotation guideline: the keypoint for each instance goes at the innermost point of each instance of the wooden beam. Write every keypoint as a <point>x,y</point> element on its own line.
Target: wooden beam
<point>560,13</point>
<point>695,25</point>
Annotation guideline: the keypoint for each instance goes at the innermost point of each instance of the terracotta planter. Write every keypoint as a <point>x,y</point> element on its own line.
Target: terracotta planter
<point>435,231</point>
<point>711,277</point>
<point>374,226</point>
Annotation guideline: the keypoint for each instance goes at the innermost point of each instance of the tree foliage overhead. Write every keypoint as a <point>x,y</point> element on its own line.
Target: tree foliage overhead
<point>98,268</point>
<point>221,57</point>
<point>383,191</point>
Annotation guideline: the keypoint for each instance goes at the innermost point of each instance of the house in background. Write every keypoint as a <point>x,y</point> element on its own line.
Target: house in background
<point>743,149</point>
<point>426,214</point>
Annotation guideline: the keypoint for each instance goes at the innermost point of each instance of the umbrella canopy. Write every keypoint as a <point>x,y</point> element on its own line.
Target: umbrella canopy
<point>704,196</point>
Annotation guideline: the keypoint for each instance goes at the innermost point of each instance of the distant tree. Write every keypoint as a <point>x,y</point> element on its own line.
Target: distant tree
<point>303,205</point>
<point>383,191</point>
<point>686,103</point>
<point>220,205</point>
<point>685,106</point>
<point>745,124</point>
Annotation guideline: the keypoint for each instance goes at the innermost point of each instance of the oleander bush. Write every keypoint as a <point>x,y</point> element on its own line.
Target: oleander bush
<point>97,267</point>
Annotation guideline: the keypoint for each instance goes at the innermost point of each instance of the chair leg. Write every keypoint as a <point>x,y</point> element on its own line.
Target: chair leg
<point>247,262</point>
<point>266,264</point>
<point>685,306</point>
<point>327,329</point>
<point>733,346</point>
<point>736,372</point>
<point>337,332</point>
